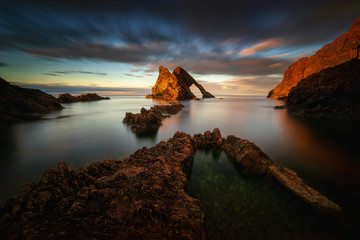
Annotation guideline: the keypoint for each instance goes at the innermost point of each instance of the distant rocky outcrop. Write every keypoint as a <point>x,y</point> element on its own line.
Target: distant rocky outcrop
<point>332,93</point>
<point>176,85</point>
<point>141,197</point>
<point>343,49</point>
<point>21,104</point>
<point>148,121</point>
<point>89,97</point>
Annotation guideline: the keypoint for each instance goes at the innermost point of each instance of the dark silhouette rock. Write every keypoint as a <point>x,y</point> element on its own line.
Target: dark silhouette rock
<point>141,197</point>
<point>148,121</point>
<point>176,85</point>
<point>345,48</point>
<point>332,93</point>
<point>89,97</point>
<point>20,104</point>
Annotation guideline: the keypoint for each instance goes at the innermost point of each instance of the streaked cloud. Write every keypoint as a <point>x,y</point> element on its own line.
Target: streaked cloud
<point>262,46</point>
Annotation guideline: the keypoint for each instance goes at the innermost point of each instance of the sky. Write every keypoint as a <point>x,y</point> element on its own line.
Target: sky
<point>116,47</point>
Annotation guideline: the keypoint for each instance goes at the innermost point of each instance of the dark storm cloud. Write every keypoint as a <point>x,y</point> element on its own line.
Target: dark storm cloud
<point>226,37</point>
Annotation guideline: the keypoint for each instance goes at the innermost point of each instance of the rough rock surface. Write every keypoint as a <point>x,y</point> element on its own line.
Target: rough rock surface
<point>333,93</point>
<point>89,97</point>
<point>148,121</point>
<point>141,197</point>
<point>176,85</point>
<point>345,48</point>
<point>19,104</point>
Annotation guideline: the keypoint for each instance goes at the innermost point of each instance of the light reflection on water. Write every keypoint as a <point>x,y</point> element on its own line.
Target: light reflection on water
<point>89,132</point>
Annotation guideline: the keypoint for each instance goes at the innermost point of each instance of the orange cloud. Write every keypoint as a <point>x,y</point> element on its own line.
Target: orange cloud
<point>265,45</point>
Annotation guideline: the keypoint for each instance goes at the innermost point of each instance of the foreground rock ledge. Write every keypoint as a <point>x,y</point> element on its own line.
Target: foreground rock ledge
<point>148,121</point>
<point>141,197</point>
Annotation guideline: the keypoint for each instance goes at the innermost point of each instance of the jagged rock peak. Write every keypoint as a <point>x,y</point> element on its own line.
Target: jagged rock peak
<point>345,48</point>
<point>176,85</point>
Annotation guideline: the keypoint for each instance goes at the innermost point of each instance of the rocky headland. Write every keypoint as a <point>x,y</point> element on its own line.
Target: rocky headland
<point>21,104</point>
<point>345,48</point>
<point>148,121</point>
<point>333,93</point>
<point>176,85</point>
<point>140,197</point>
<point>89,97</point>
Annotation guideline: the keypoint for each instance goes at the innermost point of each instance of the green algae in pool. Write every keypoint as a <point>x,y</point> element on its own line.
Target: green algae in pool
<point>238,204</point>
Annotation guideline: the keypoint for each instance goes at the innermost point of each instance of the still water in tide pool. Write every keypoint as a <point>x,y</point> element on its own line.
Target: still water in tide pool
<point>239,204</point>
<point>324,154</point>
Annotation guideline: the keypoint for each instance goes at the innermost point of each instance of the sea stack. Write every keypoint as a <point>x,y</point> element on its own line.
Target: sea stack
<point>176,85</point>
<point>345,48</point>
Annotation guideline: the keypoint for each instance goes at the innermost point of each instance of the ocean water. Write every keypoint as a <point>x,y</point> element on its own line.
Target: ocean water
<point>325,154</point>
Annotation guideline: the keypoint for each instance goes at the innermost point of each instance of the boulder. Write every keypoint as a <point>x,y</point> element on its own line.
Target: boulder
<point>345,48</point>
<point>19,104</point>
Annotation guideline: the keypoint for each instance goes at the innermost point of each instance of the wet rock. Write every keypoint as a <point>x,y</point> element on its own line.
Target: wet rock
<point>89,97</point>
<point>290,180</point>
<point>21,104</point>
<point>345,48</point>
<point>141,197</point>
<point>148,121</point>
<point>176,85</point>
<point>333,93</point>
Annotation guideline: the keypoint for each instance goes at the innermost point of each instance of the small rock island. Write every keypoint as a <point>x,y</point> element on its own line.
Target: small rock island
<point>176,85</point>
<point>89,97</point>
<point>148,121</point>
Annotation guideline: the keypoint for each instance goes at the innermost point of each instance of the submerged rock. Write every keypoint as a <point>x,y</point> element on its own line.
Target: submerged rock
<point>333,93</point>
<point>19,104</point>
<point>345,48</point>
<point>89,97</point>
<point>176,85</point>
<point>148,121</point>
<point>141,197</point>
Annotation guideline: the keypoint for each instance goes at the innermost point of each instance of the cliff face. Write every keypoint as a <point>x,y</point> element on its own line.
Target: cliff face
<point>332,93</point>
<point>89,97</point>
<point>176,85</point>
<point>19,104</point>
<point>343,49</point>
